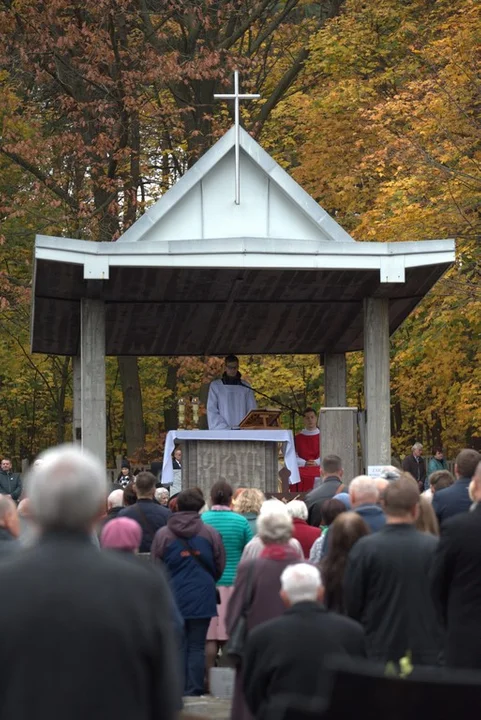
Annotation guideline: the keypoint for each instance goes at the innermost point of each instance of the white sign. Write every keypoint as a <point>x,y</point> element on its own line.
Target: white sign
<point>375,471</point>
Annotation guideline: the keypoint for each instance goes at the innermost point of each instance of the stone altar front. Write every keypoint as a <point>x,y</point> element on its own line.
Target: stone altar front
<point>245,458</point>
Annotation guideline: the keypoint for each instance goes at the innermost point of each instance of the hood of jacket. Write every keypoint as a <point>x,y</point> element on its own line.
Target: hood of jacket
<point>185,523</point>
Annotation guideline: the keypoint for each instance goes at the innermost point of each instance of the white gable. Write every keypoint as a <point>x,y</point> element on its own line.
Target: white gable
<point>208,210</point>
<point>201,204</point>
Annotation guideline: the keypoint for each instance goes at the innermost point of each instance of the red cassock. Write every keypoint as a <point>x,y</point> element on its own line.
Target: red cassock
<point>308,448</point>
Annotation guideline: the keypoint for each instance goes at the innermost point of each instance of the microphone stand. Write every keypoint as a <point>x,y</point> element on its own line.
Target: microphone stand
<point>292,410</point>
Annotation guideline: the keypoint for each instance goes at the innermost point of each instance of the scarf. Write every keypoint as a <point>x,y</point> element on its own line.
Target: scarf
<point>275,551</point>
<point>226,380</point>
<point>221,507</point>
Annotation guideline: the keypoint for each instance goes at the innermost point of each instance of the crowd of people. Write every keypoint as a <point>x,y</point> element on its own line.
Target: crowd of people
<point>129,602</point>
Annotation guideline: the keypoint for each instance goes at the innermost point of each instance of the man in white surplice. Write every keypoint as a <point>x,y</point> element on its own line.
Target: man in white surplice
<point>230,398</point>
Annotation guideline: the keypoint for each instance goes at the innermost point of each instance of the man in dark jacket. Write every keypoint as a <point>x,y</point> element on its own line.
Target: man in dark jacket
<point>364,496</point>
<point>284,657</point>
<point>387,585</point>
<point>10,482</point>
<point>147,512</point>
<point>457,583</point>
<point>9,527</point>
<point>331,473</point>
<point>455,499</point>
<point>194,556</point>
<point>415,465</point>
<point>94,628</point>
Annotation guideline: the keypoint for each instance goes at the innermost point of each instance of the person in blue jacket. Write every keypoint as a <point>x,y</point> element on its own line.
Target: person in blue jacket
<point>194,556</point>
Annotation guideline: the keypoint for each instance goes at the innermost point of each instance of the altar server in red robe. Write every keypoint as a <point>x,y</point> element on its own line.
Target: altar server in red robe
<point>308,450</point>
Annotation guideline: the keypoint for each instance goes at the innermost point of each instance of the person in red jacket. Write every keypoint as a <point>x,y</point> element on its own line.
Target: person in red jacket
<point>308,450</point>
<point>304,533</point>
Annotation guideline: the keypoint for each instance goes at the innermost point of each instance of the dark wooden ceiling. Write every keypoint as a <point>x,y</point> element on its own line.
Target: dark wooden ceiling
<point>184,311</point>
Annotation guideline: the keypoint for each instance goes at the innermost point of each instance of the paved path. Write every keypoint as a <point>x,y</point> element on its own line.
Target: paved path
<point>206,707</point>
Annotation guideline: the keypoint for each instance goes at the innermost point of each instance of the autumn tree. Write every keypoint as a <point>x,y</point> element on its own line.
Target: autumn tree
<point>388,142</point>
<point>118,99</point>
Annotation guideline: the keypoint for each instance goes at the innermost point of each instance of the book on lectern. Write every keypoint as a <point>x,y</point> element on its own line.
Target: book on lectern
<point>261,419</point>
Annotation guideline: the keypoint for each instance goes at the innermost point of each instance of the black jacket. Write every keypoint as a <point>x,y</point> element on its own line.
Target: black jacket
<point>84,634</point>
<point>8,544</point>
<point>387,589</point>
<point>151,516</point>
<point>457,588</point>
<point>284,657</point>
<point>417,469</point>
<point>111,515</point>
<point>10,484</point>
<point>452,500</point>
<point>326,490</point>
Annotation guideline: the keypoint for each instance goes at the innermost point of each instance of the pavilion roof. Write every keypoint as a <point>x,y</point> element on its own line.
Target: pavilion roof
<point>197,274</point>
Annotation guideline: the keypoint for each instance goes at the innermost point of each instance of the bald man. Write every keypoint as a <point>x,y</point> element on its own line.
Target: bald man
<point>9,527</point>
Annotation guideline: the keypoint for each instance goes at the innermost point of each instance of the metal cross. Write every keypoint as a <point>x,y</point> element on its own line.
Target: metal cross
<point>236,96</point>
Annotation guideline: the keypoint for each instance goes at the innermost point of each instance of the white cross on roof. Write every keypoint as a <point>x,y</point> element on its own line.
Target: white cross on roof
<point>236,96</point>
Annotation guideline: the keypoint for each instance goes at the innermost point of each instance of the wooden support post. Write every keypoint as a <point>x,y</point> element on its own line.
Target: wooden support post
<point>92,354</point>
<point>335,380</point>
<point>376,381</point>
<point>77,400</point>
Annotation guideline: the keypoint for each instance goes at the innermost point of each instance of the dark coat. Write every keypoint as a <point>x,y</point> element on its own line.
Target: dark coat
<point>329,487</point>
<point>372,515</point>
<point>8,544</point>
<point>84,635</point>
<point>266,605</point>
<point>111,515</point>
<point>11,484</point>
<point>194,586</point>
<point>285,656</point>
<point>417,469</point>
<point>452,500</point>
<point>151,517</point>
<point>456,588</point>
<point>387,590</point>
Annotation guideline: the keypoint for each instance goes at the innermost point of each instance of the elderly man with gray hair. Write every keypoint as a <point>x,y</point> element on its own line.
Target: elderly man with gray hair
<point>115,503</point>
<point>364,496</point>
<point>414,464</point>
<point>285,656</point>
<point>93,624</point>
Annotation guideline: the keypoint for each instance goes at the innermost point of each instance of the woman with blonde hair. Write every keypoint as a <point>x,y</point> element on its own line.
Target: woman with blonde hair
<point>426,520</point>
<point>248,503</point>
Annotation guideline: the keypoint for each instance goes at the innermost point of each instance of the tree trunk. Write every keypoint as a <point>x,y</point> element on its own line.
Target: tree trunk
<point>132,400</point>
<point>170,406</point>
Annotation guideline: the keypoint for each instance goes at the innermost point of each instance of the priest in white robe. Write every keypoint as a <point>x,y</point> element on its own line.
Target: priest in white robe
<point>230,398</point>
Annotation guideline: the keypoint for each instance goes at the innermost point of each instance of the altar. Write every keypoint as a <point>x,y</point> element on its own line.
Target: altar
<point>245,458</point>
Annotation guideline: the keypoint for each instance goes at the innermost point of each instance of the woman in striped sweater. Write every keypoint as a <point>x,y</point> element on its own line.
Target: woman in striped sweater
<point>236,533</point>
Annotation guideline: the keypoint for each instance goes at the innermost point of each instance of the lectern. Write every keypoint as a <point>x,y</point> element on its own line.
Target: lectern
<point>261,420</point>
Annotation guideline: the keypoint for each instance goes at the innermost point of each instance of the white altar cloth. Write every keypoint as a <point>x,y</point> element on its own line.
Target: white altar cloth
<point>280,436</point>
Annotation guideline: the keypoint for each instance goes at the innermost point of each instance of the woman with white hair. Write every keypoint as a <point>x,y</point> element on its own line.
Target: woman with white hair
<point>254,547</point>
<point>262,577</point>
<point>304,533</point>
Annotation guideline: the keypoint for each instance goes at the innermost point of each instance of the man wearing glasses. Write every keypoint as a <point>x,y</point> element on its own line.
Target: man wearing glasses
<point>230,398</point>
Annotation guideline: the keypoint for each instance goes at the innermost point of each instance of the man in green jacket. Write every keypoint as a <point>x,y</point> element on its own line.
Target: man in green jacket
<point>10,482</point>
